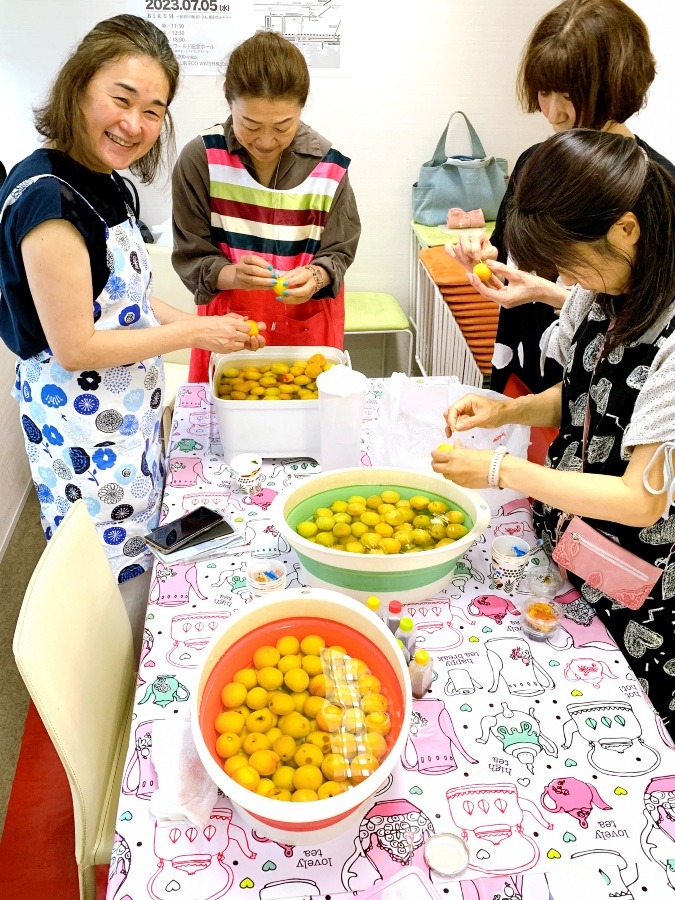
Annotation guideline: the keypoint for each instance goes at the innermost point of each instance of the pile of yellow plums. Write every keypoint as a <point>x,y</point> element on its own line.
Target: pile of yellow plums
<point>384,523</point>
<point>292,380</point>
<point>303,722</point>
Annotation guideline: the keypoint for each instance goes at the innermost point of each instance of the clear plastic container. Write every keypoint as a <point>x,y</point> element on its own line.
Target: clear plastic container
<point>264,576</point>
<point>540,618</point>
<point>342,395</point>
<point>544,581</point>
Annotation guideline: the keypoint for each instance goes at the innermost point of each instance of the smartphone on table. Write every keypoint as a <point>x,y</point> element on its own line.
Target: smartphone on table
<point>199,525</point>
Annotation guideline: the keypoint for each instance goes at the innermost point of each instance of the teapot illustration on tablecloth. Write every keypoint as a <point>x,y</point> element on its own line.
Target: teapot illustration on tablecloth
<point>614,735</point>
<point>165,689</point>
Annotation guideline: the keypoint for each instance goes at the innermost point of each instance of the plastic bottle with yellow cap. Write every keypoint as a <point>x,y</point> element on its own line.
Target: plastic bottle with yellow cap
<point>421,671</point>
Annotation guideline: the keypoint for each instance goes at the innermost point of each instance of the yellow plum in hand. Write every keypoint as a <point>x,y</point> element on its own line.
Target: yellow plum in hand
<point>279,287</point>
<point>483,272</point>
<point>252,327</point>
<point>445,448</point>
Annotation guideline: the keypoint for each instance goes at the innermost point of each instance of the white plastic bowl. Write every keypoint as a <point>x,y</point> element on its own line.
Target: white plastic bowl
<point>300,612</point>
<point>407,577</point>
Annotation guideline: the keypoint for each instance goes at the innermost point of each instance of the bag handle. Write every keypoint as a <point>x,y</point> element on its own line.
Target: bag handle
<point>477,150</point>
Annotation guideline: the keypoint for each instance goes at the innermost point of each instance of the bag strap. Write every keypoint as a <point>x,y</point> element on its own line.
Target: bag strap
<point>587,412</point>
<point>567,517</point>
<point>477,150</point>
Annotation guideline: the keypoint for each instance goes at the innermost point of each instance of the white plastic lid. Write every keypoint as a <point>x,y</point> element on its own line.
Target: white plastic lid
<point>341,381</point>
<point>246,464</point>
<point>446,853</point>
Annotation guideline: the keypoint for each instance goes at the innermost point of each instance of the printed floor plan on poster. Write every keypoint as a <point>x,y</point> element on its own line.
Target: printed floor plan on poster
<point>313,27</point>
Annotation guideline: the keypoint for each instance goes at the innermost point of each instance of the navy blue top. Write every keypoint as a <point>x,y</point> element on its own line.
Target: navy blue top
<point>46,199</point>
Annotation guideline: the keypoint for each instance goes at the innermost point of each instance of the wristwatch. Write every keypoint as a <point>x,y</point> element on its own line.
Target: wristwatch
<point>495,467</point>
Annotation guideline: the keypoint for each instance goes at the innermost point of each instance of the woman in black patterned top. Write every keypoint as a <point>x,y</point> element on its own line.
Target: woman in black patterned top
<point>605,213</point>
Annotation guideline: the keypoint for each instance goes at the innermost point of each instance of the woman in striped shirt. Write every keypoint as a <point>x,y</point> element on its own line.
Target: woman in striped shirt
<point>264,201</point>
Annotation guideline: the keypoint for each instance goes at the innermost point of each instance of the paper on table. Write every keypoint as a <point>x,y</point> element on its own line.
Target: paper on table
<point>200,551</point>
<point>185,789</point>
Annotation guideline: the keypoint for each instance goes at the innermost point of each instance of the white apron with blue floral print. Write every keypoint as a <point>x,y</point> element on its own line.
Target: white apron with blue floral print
<point>96,434</point>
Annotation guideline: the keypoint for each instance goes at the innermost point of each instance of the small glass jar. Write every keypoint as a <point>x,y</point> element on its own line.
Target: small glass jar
<point>540,618</point>
<point>544,581</point>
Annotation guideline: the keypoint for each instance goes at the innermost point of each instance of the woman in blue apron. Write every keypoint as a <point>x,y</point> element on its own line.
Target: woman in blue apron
<point>76,301</point>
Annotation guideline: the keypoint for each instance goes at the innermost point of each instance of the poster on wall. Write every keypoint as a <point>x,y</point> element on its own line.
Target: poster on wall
<point>203,32</point>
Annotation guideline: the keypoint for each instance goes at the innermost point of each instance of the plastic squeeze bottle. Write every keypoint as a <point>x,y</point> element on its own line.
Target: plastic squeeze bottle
<point>373,604</point>
<point>404,651</point>
<point>407,632</point>
<point>393,615</point>
<point>421,671</point>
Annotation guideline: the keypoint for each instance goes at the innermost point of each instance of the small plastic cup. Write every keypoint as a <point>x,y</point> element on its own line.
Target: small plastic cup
<point>544,581</point>
<point>510,556</point>
<point>246,468</point>
<point>540,618</point>
<point>264,576</point>
<point>446,853</point>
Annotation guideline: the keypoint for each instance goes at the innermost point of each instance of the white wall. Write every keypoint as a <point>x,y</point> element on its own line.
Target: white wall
<point>13,460</point>
<point>410,66</point>
<point>408,72</point>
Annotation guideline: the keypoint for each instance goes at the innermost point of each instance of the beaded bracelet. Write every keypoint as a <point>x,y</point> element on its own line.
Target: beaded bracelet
<point>495,466</point>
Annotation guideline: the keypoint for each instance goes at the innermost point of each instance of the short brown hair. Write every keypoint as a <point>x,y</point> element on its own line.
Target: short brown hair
<point>59,120</point>
<point>268,67</point>
<point>597,51</point>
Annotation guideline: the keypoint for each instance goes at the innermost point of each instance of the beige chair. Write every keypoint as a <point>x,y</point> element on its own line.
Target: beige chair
<point>74,651</point>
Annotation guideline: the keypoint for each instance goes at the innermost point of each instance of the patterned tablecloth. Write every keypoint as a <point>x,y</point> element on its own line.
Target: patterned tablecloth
<point>537,754</point>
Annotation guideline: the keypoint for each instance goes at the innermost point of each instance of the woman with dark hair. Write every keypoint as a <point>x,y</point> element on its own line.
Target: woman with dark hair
<point>76,302</point>
<point>261,196</point>
<point>605,214</point>
<point>587,64</point>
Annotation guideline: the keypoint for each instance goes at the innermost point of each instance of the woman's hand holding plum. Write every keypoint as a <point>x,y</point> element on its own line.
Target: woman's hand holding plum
<point>226,334</point>
<point>468,468</point>
<point>522,287</point>
<point>252,273</point>
<point>474,411</point>
<point>301,286</point>
<point>471,249</point>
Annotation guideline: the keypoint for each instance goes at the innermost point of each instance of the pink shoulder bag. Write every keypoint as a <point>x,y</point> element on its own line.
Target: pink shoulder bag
<point>605,565</point>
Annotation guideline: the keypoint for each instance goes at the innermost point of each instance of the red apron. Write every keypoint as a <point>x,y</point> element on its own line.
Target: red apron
<point>283,227</point>
<point>318,323</point>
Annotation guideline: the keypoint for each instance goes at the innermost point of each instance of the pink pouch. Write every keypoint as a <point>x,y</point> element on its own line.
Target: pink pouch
<point>459,218</point>
<point>605,565</point>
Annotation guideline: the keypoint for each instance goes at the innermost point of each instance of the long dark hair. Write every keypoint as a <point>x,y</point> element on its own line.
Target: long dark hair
<point>573,188</point>
<point>60,121</point>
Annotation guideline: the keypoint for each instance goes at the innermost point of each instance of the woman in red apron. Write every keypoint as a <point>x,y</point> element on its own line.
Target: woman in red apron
<point>263,201</point>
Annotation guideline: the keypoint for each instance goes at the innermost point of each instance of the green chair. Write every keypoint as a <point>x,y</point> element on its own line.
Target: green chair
<point>371,312</point>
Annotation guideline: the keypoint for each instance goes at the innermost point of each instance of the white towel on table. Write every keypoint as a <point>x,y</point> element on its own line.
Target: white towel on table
<point>185,789</point>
